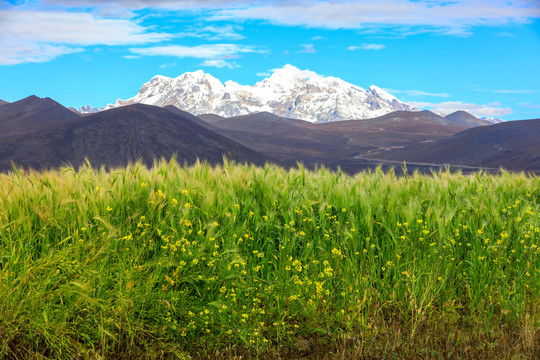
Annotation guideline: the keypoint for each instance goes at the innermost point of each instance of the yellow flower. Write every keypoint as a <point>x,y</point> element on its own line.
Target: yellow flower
<point>185,192</point>
<point>108,208</point>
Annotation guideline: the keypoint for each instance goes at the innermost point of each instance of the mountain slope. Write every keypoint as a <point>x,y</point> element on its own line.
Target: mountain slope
<point>189,116</point>
<point>512,145</point>
<point>334,144</point>
<point>289,92</point>
<point>31,114</point>
<point>263,122</point>
<point>119,136</point>
<point>2,102</point>
<point>465,119</point>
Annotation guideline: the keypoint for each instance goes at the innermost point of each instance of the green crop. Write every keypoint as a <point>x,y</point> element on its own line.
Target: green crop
<point>206,261</point>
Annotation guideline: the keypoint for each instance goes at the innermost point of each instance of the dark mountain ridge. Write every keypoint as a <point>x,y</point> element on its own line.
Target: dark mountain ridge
<point>120,136</point>
<point>334,144</point>
<point>513,145</point>
<point>463,118</point>
<point>32,114</point>
<point>40,133</point>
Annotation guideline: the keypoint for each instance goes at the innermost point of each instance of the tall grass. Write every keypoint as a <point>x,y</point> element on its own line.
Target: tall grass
<point>201,261</point>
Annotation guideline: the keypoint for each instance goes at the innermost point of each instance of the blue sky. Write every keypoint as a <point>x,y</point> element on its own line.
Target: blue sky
<point>482,56</point>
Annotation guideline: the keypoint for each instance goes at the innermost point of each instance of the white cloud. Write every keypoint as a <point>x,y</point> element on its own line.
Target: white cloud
<point>530,105</point>
<point>141,4</point>
<point>491,109</point>
<point>219,63</point>
<point>212,32</point>
<point>12,53</point>
<point>505,35</point>
<point>264,74</point>
<point>73,28</point>
<point>39,36</point>
<point>212,51</point>
<point>307,49</point>
<point>453,18</point>
<point>164,66</point>
<point>508,91</point>
<point>412,93</point>
<point>367,47</point>
<point>289,71</point>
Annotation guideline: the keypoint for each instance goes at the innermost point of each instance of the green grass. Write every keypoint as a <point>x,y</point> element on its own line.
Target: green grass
<point>239,261</point>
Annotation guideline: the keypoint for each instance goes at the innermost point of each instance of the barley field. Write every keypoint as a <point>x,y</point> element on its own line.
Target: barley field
<point>241,262</point>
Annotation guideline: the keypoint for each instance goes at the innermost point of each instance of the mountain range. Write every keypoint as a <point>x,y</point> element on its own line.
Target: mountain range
<point>41,133</point>
<point>110,138</point>
<point>288,92</point>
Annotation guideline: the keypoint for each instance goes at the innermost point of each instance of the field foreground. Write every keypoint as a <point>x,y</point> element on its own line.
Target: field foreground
<point>245,262</point>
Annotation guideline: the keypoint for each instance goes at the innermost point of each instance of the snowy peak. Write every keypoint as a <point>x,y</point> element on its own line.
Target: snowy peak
<point>88,110</point>
<point>288,92</point>
<point>492,120</point>
<point>380,93</point>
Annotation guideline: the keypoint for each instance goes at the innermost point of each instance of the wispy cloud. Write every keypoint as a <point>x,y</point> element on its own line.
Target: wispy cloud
<point>491,109</point>
<point>220,63</point>
<point>452,18</point>
<point>264,74</point>
<point>510,91</point>
<point>366,47</point>
<point>529,105</point>
<point>215,33</point>
<point>164,66</point>
<point>413,93</point>
<point>127,8</point>
<point>214,55</point>
<point>212,51</point>
<point>505,34</point>
<point>307,49</point>
<point>141,4</point>
<point>39,36</point>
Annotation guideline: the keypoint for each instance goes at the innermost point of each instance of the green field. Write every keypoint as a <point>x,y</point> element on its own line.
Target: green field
<point>245,262</point>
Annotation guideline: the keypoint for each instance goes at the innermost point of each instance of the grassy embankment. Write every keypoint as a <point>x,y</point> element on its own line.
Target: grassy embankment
<point>234,260</point>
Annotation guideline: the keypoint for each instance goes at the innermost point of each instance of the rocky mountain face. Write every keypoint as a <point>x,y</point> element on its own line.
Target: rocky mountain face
<point>289,92</point>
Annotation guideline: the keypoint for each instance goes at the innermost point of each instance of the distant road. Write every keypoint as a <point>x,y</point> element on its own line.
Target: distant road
<point>360,157</point>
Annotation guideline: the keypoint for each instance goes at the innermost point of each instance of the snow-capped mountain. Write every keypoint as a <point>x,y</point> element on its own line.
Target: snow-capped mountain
<point>288,92</point>
<point>492,120</point>
<point>89,110</point>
